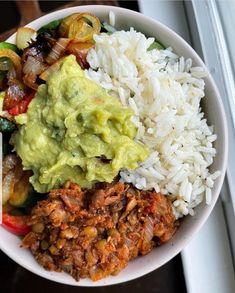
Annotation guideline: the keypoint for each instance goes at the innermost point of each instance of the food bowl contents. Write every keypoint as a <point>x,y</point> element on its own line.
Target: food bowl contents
<point>95,232</point>
<point>78,131</point>
<point>164,90</point>
<point>115,118</point>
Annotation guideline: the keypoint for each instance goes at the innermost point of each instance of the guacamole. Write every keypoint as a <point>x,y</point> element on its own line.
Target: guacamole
<point>74,130</point>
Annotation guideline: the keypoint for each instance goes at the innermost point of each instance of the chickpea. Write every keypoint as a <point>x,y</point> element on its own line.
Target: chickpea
<point>38,228</point>
<point>53,250</point>
<point>44,245</point>
<point>101,244</point>
<point>90,231</point>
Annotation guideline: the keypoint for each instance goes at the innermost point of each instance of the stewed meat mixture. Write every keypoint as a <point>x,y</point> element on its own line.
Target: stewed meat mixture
<point>94,233</point>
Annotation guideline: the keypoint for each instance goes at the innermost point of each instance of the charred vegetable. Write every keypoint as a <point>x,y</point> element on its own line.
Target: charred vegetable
<point>15,181</point>
<point>22,106</point>
<point>14,94</point>
<point>80,50</point>
<point>6,125</point>
<point>57,50</point>
<point>80,26</point>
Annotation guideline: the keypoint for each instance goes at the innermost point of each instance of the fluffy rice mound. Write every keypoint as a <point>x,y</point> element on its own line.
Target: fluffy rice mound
<point>164,91</point>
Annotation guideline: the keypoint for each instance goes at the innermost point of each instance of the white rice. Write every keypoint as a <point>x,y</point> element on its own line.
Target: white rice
<point>164,91</point>
<point>111,18</point>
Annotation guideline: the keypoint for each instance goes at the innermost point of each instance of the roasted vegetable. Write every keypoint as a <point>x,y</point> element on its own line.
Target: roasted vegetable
<point>31,200</point>
<point>6,45</point>
<point>66,22</point>
<point>14,57</point>
<point>45,74</point>
<point>16,224</point>
<point>15,181</point>
<point>80,26</point>
<point>22,106</point>
<point>6,125</point>
<point>14,94</point>
<point>57,50</point>
<point>6,147</point>
<point>5,64</point>
<point>24,37</point>
<point>80,50</point>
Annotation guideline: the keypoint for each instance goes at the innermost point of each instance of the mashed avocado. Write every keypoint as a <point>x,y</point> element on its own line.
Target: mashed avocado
<point>73,130</point>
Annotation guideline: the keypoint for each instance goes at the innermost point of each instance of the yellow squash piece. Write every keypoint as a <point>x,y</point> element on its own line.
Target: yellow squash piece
<point>20,192</point>
<point>24,36</point>
<point>15,58</point>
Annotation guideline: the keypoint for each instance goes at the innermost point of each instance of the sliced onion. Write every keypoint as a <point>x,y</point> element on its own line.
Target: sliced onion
<point>64,26</point>
<point>148,230</point>
<point>9,162</point>
<point>14,94</point>
<point>30,81</point>
<point>80,50</point>
<point>8,186</point>
<point>15,181</point>
<point>8,165</point>
<point>33,66</point>
<point>83,27</point>
<point>11,76</point>
<point>57,50</point>
<point>54,67</point>
<point>130,206</point>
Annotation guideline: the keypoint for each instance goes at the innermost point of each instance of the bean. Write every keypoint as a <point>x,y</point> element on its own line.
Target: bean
<point>90,231</point>
<point>100,245</point>
<point>53,250</point>
<point>44,245</point>
<point>38,228</point>
<point>67,233</point>
<point>60,243</point>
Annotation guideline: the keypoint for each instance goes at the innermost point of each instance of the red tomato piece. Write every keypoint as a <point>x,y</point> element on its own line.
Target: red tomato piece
<point>16,224</point>
<point>22,107</point>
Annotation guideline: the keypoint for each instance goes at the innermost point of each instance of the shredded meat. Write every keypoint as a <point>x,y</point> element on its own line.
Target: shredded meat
<point>94,233</point>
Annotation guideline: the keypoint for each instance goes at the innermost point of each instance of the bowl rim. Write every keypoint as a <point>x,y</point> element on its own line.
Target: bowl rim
<point>181,243</point>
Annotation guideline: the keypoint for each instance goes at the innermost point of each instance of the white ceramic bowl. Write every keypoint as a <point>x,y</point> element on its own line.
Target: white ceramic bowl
<point>212,106</point>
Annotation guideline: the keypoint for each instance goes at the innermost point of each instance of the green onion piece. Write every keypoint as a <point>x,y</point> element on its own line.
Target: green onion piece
<point>5,64</point>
